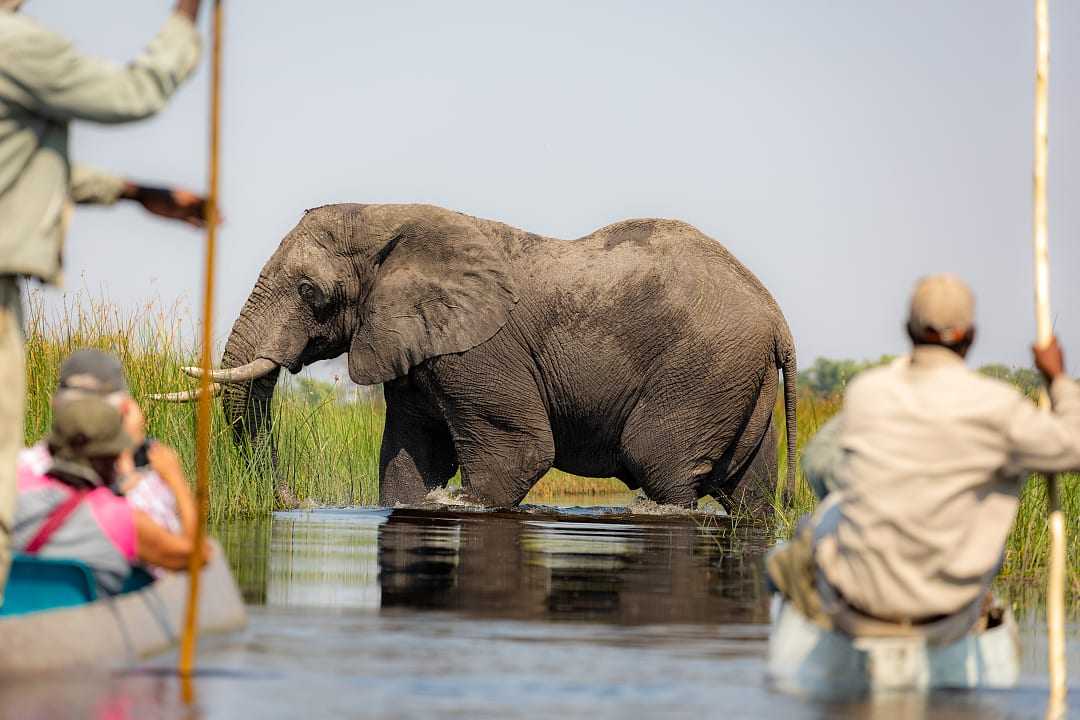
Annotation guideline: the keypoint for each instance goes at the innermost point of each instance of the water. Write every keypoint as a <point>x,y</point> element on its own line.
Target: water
<point>543,612</point>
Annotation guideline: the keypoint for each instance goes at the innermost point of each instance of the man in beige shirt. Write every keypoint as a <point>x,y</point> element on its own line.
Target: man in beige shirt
<point>44,85</point>
<point>923,467</point>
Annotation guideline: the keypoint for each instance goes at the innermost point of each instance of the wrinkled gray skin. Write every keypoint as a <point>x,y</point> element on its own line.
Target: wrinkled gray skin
<point>644,351</point>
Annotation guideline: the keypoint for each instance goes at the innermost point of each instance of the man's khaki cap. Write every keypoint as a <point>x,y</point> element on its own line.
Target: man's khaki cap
<point>942,306</point>
<point>85,427</point>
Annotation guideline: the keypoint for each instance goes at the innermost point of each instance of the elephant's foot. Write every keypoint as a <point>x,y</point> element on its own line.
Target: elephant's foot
<point>395,492</point>
<point>443,497</point>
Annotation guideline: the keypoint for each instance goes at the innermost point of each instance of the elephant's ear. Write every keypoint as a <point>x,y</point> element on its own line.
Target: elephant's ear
<point>440,287</point>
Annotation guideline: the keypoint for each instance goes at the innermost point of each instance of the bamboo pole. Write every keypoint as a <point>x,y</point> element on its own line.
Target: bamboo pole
<point>202,441</point>
<point>1055,589</point>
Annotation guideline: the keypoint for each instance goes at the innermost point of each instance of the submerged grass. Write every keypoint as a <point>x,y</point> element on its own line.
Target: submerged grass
<point>328,442</point>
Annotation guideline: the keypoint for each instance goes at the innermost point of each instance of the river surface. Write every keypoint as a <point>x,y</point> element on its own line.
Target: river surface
<point>545,612</point>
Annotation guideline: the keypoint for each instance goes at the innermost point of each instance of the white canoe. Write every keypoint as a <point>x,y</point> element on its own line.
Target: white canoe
<point>122,629</point>
<point>807,659</point>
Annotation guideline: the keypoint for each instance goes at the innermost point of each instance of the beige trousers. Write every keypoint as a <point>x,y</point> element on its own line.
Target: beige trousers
<point>12,402</point>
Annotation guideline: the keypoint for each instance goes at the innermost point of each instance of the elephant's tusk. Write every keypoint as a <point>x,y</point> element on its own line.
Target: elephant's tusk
<point>252,371</point>
<point>184,396</point>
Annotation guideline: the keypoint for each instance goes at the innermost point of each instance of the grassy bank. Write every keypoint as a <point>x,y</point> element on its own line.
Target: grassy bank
<point>329,436</point>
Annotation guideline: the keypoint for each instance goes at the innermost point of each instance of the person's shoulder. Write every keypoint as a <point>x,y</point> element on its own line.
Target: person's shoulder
<point>992,389</point>
<point>31,468</point>
<point>103,497</point>
<point>116,518</point>
<point>35,458</point>
<point>876,376</point>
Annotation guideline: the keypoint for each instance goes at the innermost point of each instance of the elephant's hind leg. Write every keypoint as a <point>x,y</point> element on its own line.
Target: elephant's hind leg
<point>663,464</point>
<point>417,452</point>
<point>680,454</point>
<point>751,492</point>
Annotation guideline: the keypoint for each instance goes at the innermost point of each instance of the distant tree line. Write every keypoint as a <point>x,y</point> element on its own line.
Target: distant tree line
<point>827,377</point>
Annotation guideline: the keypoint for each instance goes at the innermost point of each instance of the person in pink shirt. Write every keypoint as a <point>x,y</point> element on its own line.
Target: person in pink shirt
<point>72,509</point>
<point>150,475</point>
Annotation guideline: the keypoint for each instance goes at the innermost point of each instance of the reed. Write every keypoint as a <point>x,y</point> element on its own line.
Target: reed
<point>328,448</point>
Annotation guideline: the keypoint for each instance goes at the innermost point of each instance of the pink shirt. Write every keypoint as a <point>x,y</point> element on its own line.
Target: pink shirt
<point>150,494</point>
<point>100,531</point>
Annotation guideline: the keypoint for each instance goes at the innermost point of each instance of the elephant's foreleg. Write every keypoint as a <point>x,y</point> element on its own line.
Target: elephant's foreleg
<point>500,471</point>
<point>417,452</point>
<point>502,435</point>
<point>664,459</point>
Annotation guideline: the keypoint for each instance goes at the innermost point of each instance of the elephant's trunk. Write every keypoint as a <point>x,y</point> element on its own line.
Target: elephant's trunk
<point>247,403</point>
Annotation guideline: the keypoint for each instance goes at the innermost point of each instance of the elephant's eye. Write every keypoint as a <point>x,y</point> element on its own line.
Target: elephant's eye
<point>311,294</point>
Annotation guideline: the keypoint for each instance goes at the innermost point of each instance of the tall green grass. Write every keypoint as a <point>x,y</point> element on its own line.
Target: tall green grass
<point>328,442</point>
<point>328,450</point>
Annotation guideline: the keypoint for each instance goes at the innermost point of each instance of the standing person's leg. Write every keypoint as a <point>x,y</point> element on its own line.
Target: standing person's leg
<point>12,401</point>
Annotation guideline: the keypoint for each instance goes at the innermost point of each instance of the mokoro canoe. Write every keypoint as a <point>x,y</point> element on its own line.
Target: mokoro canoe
<point>807,659</point>
<point>121,629</point>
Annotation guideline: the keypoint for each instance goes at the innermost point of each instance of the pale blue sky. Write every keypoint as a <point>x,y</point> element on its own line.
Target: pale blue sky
<point>839,149</point>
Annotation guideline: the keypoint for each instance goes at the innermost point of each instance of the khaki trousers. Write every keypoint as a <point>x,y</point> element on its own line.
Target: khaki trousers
<point>792,569</point>
<point>12,402</point>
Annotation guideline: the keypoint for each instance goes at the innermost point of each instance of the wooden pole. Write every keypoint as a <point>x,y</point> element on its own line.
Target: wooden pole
<point>202,440</point>
<point>1055,589</point>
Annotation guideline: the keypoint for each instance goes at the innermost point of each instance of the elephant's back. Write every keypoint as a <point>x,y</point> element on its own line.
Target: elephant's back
<point>669,273</point>
<point>650,301</point>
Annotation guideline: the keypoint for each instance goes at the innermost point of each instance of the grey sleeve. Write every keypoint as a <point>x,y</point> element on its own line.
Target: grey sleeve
<point>90,185</point>
<point>43,73</point>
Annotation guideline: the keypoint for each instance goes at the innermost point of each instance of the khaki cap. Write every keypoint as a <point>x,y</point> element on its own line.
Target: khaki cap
<point>941,305</point>
<point>85,427</point>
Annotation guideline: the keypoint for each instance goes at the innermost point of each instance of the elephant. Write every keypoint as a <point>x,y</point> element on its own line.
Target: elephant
<point>644,351</point>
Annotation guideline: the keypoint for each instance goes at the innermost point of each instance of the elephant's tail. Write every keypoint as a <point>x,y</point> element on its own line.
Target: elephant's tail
<point>791,379</point>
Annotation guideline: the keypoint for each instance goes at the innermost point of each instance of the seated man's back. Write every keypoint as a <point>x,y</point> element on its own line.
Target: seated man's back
<point>926,482</point>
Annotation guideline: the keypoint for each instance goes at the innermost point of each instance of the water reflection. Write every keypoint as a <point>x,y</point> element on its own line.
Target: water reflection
<point>406,613</point>
<point>529,564</point>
